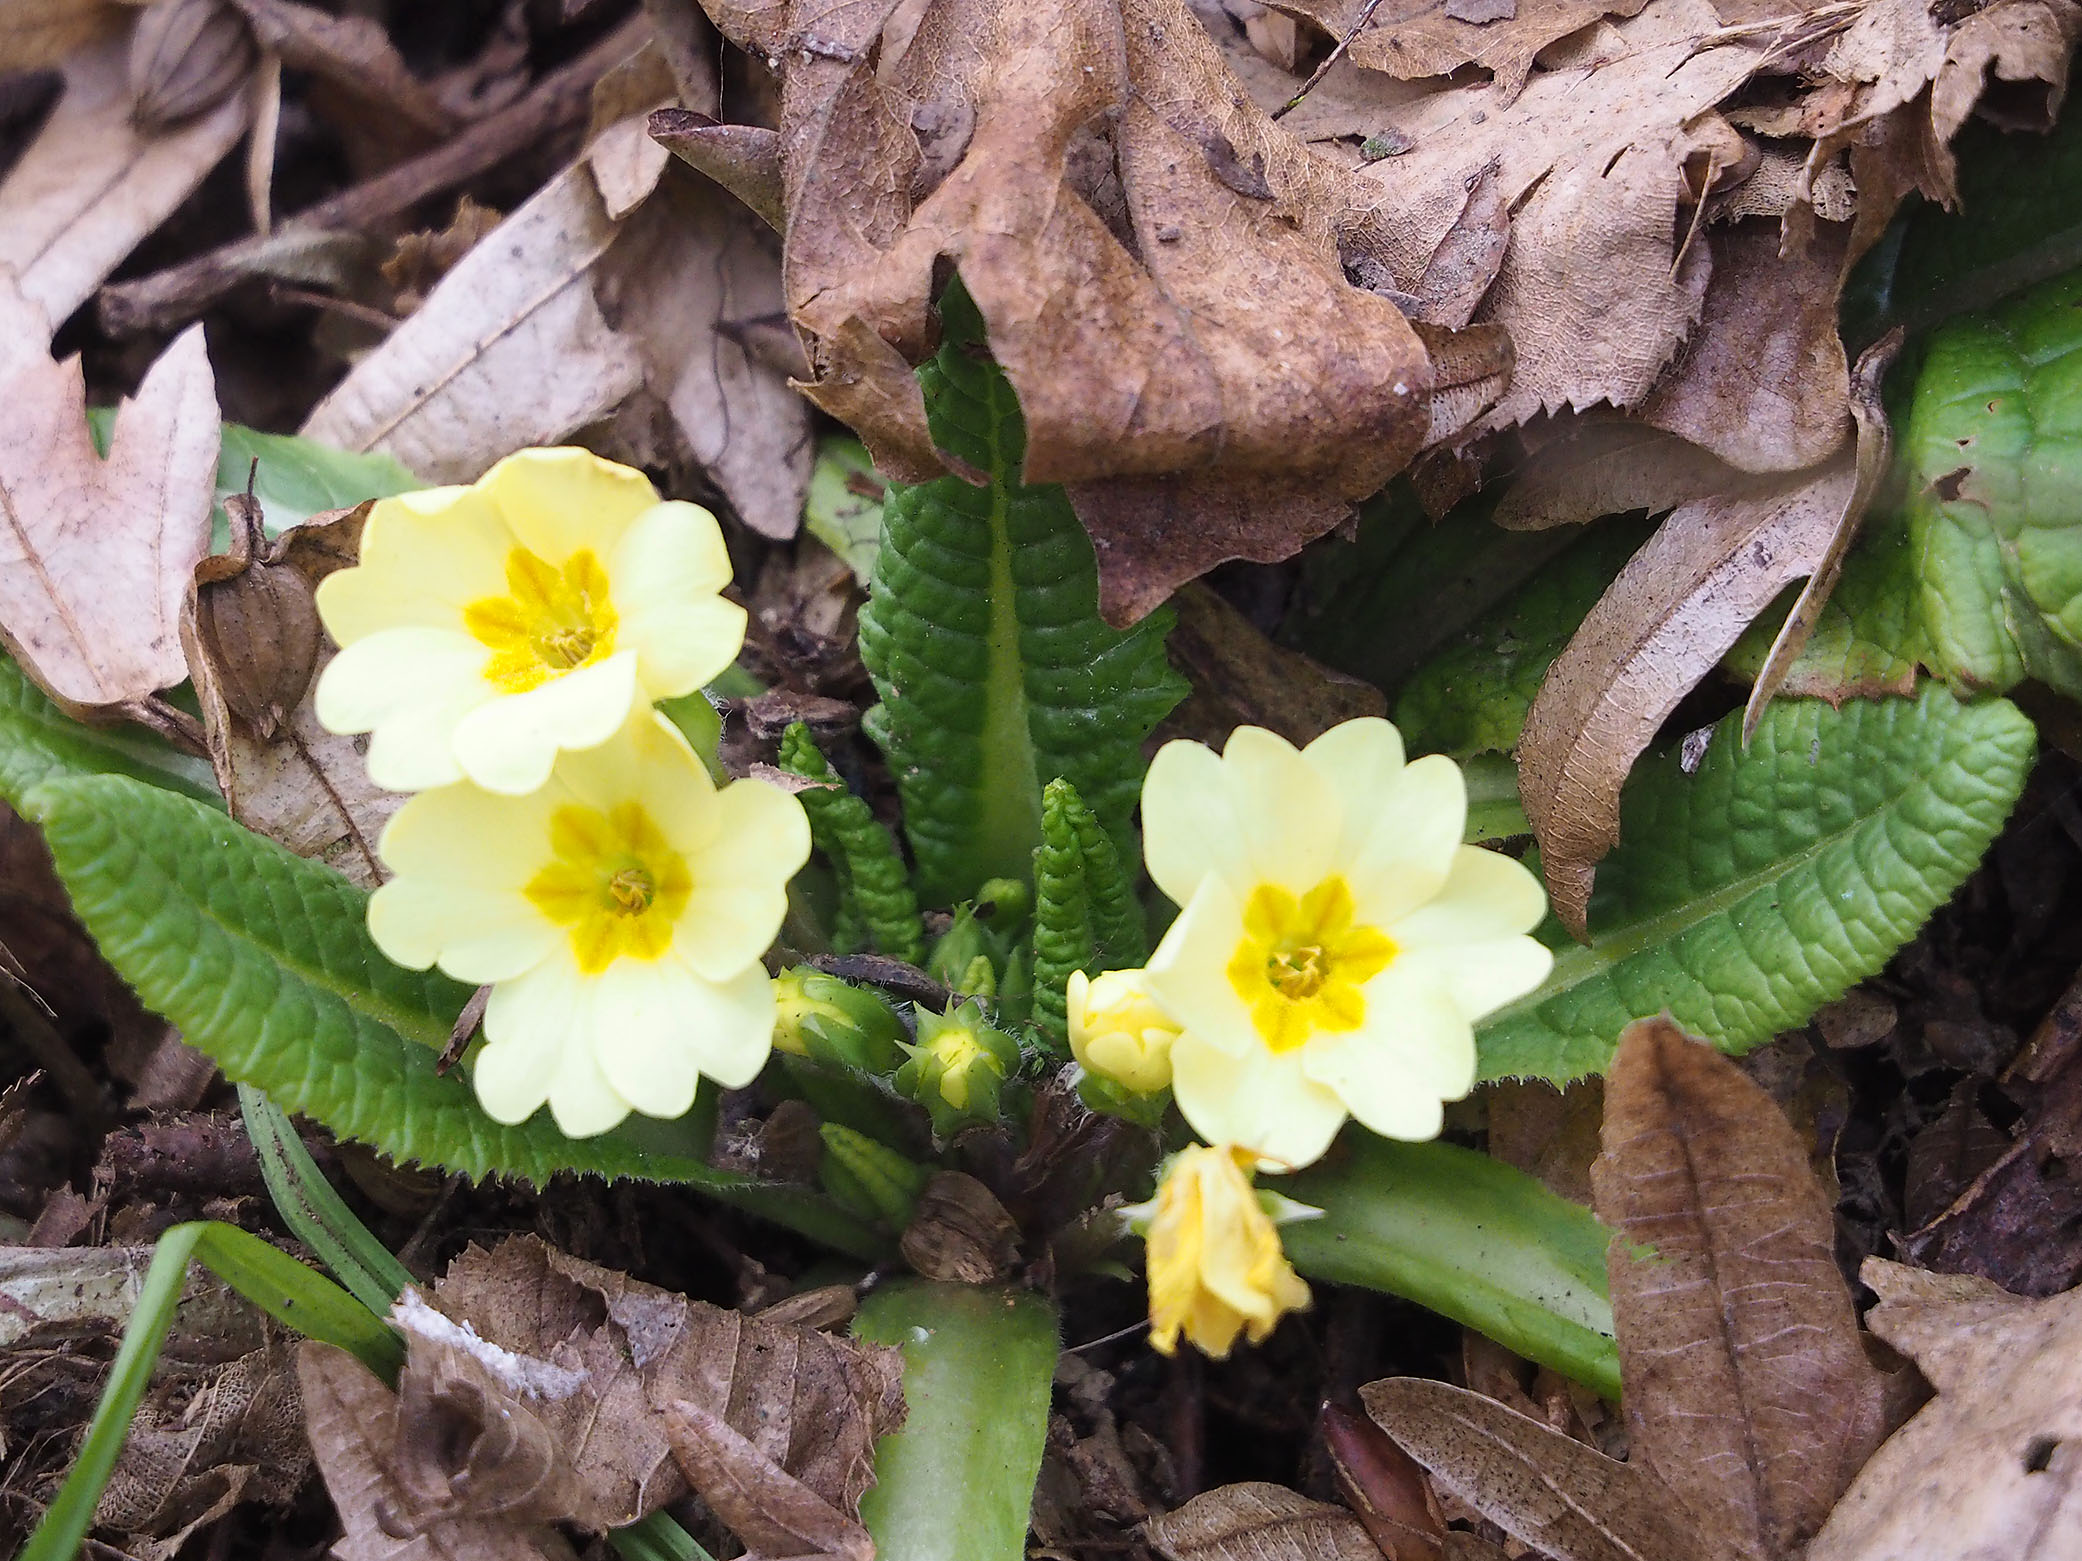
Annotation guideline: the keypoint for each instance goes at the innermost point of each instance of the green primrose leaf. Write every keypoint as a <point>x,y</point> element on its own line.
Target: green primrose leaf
<point>264,961</point>
<point>1744,896</point>
<point>1470,1237</point>
<point>874,890</point>
<point>844,507</point>
<point>1994,452</point>
<point>983,636</point>
<point>40,742</point>
<point>295,479</point>
<point>957,1482</point>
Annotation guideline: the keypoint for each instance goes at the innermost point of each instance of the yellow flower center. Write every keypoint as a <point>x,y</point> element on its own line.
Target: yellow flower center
<point>615,883</point>
<point>1301,963</point>
<point>552,620</point>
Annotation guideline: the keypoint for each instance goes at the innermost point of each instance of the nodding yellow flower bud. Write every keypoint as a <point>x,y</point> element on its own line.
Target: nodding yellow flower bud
<point>957,1066</point>
<point>1216,1267</point>
<point>1120,1032</point>
<point>834,1022</point>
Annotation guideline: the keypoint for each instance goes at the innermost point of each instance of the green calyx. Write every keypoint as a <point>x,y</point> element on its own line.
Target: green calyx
<point>834,1022</point>
<point>958,1067</point>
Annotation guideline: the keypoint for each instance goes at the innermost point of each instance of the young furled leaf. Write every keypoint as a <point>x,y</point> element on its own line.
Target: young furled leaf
<point>984,640</point>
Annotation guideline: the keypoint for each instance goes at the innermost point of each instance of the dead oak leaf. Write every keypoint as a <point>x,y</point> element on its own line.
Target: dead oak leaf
<point>1160,267</point>
<point>1411,39</point>
<point>1987,1472</point>
<point>1747,1387</point>
<point>95,555</point>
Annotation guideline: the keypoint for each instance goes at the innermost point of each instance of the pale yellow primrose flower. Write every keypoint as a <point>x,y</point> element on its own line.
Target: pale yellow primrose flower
<point>619,915</point>
<point>1337,941</point>
<point>488,627</point>
<point>1216,1268</point>
<point>1120,1032</point>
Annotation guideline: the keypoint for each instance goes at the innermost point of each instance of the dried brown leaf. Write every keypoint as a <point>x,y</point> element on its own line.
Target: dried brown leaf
<point>352,1421</point>
<point>250,632</point>
<point>688,267</point>
<point>626,162</point>
<point>1241,678</point>
<point>353,56</point>
<point>1748,1390</point>
<point>509,350</point>
<point>1259,1522</point>
<point>1383,1485</point>
<point>1416,38</point>
<point>960,1232</point>
<point>1537,1484</point>
<point>806,1404</point>
<point>1668,618</point>
<point>1987,1472</point>
<point>186,57</point>
<point>1762,383</point>
<point>1596,465</point>
<point>92,185</point>
<point>39,33</point>
<point>95,555</point>
<point>776,1516</point>
<point>1172,308</point>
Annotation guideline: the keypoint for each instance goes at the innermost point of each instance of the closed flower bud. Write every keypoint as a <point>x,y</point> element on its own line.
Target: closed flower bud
<point>868,1177</point>
<point>834,1022</point>
<point>957,1067</point>
<point>1119,1032</point>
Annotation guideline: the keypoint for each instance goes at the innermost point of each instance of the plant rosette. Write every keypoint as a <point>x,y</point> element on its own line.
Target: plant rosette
<point>1216,1267</point>
<point>1337,941</point>
<point>488,628</point>
<point>619,915</point>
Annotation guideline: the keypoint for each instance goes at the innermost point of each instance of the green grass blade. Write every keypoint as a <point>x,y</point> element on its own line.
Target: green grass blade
<point>315,1213</point>
<point>657,1538</point>
<point>299,1297</point>
<point>1471,1238</point>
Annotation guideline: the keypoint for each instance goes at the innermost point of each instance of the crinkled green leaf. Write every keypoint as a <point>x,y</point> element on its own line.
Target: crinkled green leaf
<point>1473,696</point>
<point>1869,639</point>
<point>264,961</point>
<point>1746,895</point>
<point>1994,452</point>
<point>40,742</point>
<point>983,636</point>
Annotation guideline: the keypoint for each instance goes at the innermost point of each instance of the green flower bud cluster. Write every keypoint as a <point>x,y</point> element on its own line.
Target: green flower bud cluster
<point>958,1067</point>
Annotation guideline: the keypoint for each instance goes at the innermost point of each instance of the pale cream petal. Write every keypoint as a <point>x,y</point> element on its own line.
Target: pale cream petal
<point>408,688</point>
<point>684,648</point>
<point>529,1024</point>
<point>581,1100</point>
<point>1482,976</point>
<point>1415,1042</point>
<point>638,1023</point>
<point>1413,835</point>
<point>1360,760</point>
<point>666,573</point>
<point>558,501</point>
<point>719,1030</point>
<point>1189,973</point>
<point>741,879</point>
<point>1258,1101</point>
<point>510,744</point>
<point>1486,895</point>
<point>424,557</point>
<point>1258,814</point>
<point>475,935</point>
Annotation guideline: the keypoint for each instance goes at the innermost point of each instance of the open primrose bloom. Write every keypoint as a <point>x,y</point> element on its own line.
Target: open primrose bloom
<point>619,914</point>
<point>1336,941</point>
<point>1216,1268</point>
<point>490,627</point>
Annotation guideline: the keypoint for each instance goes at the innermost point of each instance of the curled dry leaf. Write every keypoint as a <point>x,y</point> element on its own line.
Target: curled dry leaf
<point>1415,38</point>
<point>1540,1486</point>
<point>355,59</point>
<point>96,555</point>
<point>777,1516</point>
<point>186,57</point>
<point>508,350</point>
<point>1671,615</point>
<point>1161,268</point>
<point>1747,1387</point>
<point>1591,465</point>
<point>960,1232</point>
<point>1987,1472</point>
<point>1241,678</point>
<point>250,631</point>
<point>1384,1486</point>
<point>351,1418</point>
<point>1259,1522</point>
<point>92,184</point>
<point>39,33</point>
